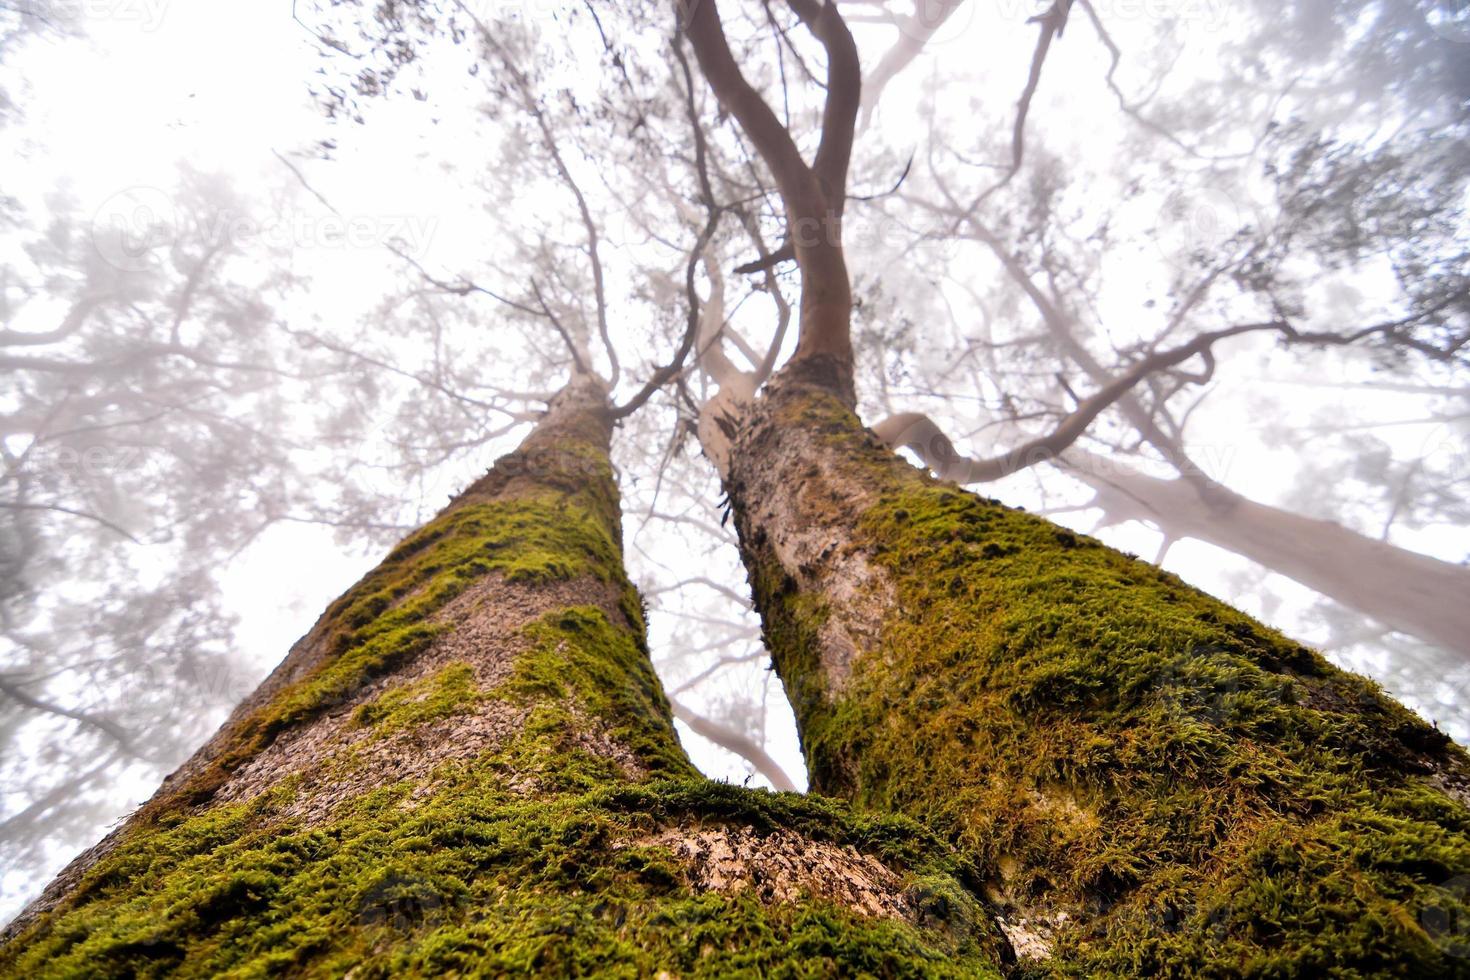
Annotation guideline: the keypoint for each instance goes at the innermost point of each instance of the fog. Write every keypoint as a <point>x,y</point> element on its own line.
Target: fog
<point>277,279</point>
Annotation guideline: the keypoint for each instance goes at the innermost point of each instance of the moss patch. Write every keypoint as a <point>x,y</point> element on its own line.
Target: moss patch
<point>541,535</point>
<point>578,652</point>
<point>445,694</point>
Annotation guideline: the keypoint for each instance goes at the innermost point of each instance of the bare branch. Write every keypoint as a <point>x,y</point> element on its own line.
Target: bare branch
<point>111,729</point>
<point>844,94</point>
<point>1052,23</point>
<point>919,433</point>
<point>579,361</point>
<point>712,222</point>
<point>73,322</point>
<point>57,508</point>
<point>739,743</point>
<point>914,32</point>
<point>813,196</point>
<point>553,148</point>
<point>701,20</point>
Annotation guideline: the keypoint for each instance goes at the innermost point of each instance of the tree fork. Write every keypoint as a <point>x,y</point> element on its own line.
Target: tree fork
<point>814,195</point>
<point>1150,782</point>
<point>468,766</point>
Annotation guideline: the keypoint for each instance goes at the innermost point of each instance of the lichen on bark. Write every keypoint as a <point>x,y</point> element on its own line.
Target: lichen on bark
<point>1150,782</point>
<point>469,767</point>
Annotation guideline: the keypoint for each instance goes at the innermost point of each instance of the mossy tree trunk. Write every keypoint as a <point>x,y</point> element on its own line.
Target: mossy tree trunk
<point>1149,782</point>
<point>468,766</point>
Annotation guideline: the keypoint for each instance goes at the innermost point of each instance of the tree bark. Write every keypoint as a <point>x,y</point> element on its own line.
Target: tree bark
<point>1405,591</point>
<point>468,767</point>
<point>1148,781</point>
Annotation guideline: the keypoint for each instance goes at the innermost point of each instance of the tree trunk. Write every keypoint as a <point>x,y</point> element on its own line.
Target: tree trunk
<point>1405,591</point>
<point>1148,781</point>
<point>468,766</point>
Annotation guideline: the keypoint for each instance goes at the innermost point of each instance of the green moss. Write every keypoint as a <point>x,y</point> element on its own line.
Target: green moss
<point>550,522</point>
<point>482,878</point>
<point>576,652</point>
<point>445,694</point>
<point>1098,736</point>
<point>540,536</point>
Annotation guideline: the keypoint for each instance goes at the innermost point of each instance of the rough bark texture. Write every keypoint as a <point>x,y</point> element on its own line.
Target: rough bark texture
<point>468,767</point>
<point>1149,782</point>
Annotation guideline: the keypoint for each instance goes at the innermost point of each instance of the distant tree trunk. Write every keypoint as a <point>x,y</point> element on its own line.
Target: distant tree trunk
<point>468,767</point>
<point>1405,591</point>
<point>1149,782</point>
